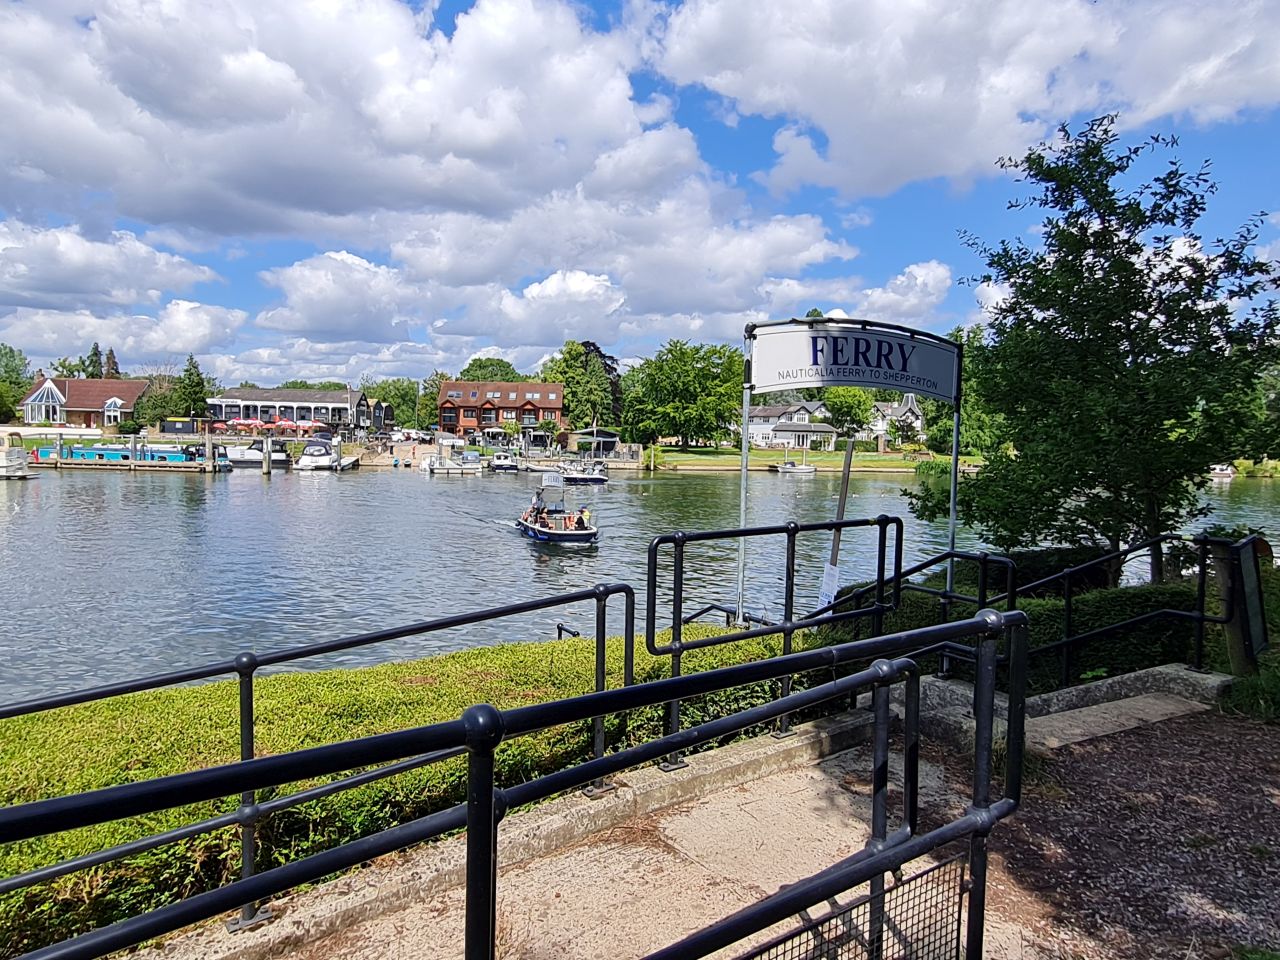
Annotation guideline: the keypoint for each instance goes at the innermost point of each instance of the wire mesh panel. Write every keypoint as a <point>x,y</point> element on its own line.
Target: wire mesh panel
<point>920,921</point>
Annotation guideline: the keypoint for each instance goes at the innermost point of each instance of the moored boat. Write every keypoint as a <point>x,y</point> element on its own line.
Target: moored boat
<point>317,455</point>
<point>503,462</point>
<point>547,520</point>
<point>1222,471</point>
<point>469,465</point>
<point>251,455</point>
<point>13,459</point>
<point>791,468</point>
<point>584,473</point>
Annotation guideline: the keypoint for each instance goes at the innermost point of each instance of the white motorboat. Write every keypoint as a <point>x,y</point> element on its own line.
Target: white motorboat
<point>469,465</point>
<point>317,455</point>
<point>1222,471</point>
<point>503,462</point>
<point>584,473</point>
<point>547,520</point>
<point>13,459</point>
<point>251,455</point>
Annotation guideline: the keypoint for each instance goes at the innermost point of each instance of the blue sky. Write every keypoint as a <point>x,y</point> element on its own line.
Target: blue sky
<point>367,187</point>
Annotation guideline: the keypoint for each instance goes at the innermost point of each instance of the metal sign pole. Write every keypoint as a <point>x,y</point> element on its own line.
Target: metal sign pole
<point>955,473</point>
<point>742,485</point>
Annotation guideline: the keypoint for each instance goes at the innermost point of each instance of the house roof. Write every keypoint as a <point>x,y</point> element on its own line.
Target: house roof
<point>791,427</point>
<point>893,411</point>
<point>93,394</point>
<point>323,398</point>
<point>771,411</point>
<point>480,388</point>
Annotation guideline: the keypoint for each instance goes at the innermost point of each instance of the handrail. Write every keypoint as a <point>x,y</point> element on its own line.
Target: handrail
<point>481,728</point>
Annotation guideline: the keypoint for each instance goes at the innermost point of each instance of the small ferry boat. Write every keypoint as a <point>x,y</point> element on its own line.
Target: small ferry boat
<point>1222,471</point>
<point>548,521</point>
<point>584,473</point>
<point>251,455</point>
<point>503,462</point>
<point>13,459</point>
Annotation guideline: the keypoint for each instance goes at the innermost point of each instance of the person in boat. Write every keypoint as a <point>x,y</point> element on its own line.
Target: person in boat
<point>581,522</point>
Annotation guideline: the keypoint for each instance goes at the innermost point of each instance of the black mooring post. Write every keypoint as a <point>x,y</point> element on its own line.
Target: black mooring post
<point>674,761</point>
<point>1202,577</point>
<point>879,813</point>
<point>598,787</point>
<point>984,688</point>
<point>788,613</point>
<point>250,913</point>
<point>483,724</point>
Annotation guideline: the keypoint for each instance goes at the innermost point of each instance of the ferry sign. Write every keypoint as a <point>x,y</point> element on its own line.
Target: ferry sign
<point>788,356</point>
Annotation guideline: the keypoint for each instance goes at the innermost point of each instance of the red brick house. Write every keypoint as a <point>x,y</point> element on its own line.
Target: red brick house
<point>467,407</point>
<point>82,403</point>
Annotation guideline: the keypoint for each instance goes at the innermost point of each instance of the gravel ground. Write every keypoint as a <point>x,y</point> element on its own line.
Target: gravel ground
<point>1162,841</point>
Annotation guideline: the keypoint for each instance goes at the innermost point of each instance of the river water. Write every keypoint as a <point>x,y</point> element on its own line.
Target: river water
<point>110,576</point>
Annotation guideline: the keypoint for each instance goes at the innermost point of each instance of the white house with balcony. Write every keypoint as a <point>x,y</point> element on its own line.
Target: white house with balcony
<point>791,426</point>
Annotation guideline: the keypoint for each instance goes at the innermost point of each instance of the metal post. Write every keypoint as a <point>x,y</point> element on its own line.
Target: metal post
<point>598,787</point>
<point>673,760</point>
<point>1202,575</point>
<point>788,612</point>
<point>953,515</point>
<point>1065,676</point>
<point>984,687</point>
<point>250,914</point>
<point>266,456</point>
<point>483,725</point>
<point>834,560</point>
<point>742,481</point>
<point>879,815</point>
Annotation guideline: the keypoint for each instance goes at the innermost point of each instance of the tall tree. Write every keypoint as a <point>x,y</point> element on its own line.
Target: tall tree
<point>191,391</point>
<point>15,369</point>
<point>71,368</point>
<point>588,388</point>
<point>1125,357</point>
<point>428,398</point>
<point>400,392</point>
<point>981,430</point>
<point>480,369</point>
<point>331,385</point>
<point>850,408</point>
<point>690,391</point>
<point>93,362</point>
<point>111,368</point>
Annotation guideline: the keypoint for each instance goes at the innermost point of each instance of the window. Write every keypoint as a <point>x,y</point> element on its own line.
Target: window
<point>489,415</point>
<point>469,413</point>
<point>448,416</point>
<point>536,396</point>
<point>551,396</point>
<point>111,413</point>
<point>511,396</point>
<point>493,395</point>
<point>508,414</point>
<point>473,394</point>
<point>454,394</point>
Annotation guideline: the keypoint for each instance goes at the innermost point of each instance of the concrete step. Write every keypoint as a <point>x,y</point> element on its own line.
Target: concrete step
<point>1056,730</point>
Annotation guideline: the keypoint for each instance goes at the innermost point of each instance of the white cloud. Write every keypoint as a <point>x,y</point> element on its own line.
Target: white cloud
<point>875,94</point>
<point>180,327</point>
<point>59,268</point>
<point>341,295</point>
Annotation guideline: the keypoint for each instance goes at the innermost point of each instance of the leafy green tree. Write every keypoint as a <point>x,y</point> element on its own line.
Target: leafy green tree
<point>1126,356</point>
<point>981,430</point>
<point>588,384</point>
<point>191,391</point>
<point>15,369</point>
<point>8,402</point>
<point>400,392</point>
<point>690,391</point>
<point>850,408</point>
<point>480,369</point>
<point>68,368</point>
<point>428,398</point>
<point>331,385</point>
<point>249,385</point>
<point>111,367</point>
<point>93,362</point>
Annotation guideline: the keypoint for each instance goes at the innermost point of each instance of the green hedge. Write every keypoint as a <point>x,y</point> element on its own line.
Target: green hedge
<point>1164,640</point>
<point>147,735</point>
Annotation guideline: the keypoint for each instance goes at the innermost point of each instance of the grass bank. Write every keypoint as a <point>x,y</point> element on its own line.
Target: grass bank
<point>152,734</point>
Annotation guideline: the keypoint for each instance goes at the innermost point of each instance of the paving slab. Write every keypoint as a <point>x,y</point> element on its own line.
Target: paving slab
<point>1057,730</point>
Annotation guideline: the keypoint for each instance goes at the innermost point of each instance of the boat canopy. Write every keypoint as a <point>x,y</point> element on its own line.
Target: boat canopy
<point>552,480</point>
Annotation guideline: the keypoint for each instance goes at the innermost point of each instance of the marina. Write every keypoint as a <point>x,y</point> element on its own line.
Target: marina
<point>356,550</point>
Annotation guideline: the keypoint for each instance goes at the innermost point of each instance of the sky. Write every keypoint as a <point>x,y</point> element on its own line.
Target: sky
<point>333,189</point>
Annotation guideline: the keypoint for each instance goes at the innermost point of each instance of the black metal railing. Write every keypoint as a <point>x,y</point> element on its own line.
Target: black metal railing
<point>481,729</point>
<point>245,667</point>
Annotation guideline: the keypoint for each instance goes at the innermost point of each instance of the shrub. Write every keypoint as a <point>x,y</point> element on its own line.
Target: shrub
<point>141,736</point>
<point>128,427</point>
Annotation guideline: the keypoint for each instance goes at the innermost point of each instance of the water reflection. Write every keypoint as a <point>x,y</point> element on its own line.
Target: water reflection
<point>110,576</point>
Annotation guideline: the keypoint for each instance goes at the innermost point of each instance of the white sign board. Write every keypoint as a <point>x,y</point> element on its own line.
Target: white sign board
<point>830,584</point>
<point>794,355</point>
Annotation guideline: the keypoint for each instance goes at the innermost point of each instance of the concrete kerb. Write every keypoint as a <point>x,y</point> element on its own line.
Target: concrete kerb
<point>526,834</point>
